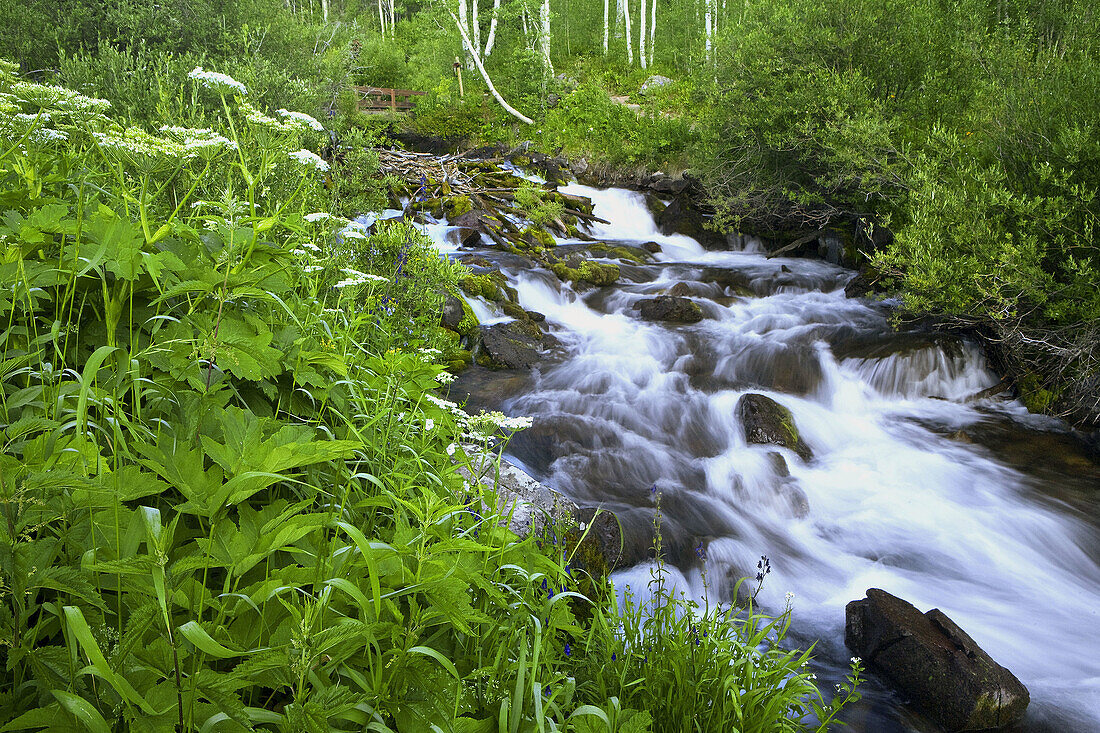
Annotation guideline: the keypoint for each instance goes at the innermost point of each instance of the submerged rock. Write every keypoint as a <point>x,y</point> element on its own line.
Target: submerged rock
<point>670,308</point>
<point>767,422</point>
<point>930,659</point>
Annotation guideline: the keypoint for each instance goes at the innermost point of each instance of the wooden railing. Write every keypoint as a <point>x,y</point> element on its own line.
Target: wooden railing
<point>379,99</point>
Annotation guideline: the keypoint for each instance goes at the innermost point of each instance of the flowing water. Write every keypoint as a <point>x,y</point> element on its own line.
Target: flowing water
<point>972,506</point>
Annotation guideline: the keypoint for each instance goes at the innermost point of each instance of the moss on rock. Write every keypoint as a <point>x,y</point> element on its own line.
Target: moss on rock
<point>596,273</point>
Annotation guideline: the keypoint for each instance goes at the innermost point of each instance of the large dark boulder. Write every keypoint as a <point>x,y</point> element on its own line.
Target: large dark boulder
<point>670,308</point>
<point>767,422</point>
<point>512,345</point>
<point>684,217</point>
<point>452,313</point>
<point>934,662</point>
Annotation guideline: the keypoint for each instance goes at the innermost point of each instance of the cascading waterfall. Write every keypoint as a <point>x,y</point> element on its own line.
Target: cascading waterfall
<point>892,497</point>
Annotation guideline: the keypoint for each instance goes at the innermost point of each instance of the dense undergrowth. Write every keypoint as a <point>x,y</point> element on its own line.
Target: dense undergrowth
<point>229,494</point>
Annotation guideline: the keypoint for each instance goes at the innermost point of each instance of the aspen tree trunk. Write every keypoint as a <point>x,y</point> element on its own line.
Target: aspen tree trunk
<point>381,18</point>
<point>463,18</point>
<point>652,28</point>
<point>641,34</point>
<point>324,11</point>
<point>392,23</point>
<point>492,30</point>
<point>475,25</point>
<point>485,75</point>
<point>708,23</point>
<point>606,25</point>
<point>544,37</point>
<point>629,40</point>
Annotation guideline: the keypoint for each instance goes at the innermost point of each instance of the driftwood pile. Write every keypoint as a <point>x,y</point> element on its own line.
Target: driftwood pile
<point>433,183</point>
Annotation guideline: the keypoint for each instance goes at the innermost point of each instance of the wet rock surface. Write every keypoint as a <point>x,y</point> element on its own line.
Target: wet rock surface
<point>933,662</point>
<point>512,345</point>
<point>670,309</point>
<point>767,422</point>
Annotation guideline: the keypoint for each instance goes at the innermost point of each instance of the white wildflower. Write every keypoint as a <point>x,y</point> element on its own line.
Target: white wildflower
<point>452,448</point>
<point>353,234</point>
<point>856,660</point>
<point>445,377</point>
<point>220,83</point>
<point>320,216</point>
<point>257,118</point>
<point>310,159</point>
<point>312,268</point>
<point>311,246</point>
<point>429,424</point>
<point>440,402</point>
<point>516,423</point>
<point>301,118</point>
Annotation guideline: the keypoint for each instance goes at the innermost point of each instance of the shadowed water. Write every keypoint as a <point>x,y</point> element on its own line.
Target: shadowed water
<point>972,506</point>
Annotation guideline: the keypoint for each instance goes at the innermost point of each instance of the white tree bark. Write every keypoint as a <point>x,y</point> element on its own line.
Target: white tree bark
<point>484,74</point>
<point>492,30</point>
<point>475,25</point>
<point>641,34</point>
<point>708,22</point>
<point>381,18</point>
<point>544,37</point>
<point>606,25</point>
<point>324,11</point>
<point>463,17</point>
<point>392,23</point>
<point>629,41</point>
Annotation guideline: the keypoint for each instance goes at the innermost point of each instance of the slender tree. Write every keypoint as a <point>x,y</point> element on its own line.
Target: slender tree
<point>475,25</point>
<point>492,30</point>
<point>484,74</point>
<point>606,25</point>
<point>641,33</point>
<point>629,41</point>
<point>652,28</point>
<point>544,38</point>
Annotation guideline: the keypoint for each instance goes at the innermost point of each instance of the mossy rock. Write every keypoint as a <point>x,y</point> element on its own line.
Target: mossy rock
<point>767,422</point>
<point>456,206</point>
<point>1034,395</point>
<point>490,285</point>
<point>595,273</point>
<point>538,236</point>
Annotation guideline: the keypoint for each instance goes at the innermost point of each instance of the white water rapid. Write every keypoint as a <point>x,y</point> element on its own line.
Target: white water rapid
<point>974,507</point>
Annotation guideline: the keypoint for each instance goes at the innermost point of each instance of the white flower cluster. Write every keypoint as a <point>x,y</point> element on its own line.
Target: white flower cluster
<point>221,83</point>
<point>485,424</point>
<point>137,143</point>
<point>354,278</point>
<point>445,378</point>
<point>204,143</point>
<point>309,160</point>
<point>58,100</point>
<point>301,119</point>
<point>447,405</point>
<point>323,216</point>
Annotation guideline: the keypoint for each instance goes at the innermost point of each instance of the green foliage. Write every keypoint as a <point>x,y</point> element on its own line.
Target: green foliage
<point>534,202</point>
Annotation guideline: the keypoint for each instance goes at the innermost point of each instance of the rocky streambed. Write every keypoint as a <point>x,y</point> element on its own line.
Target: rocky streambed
<point>772,414</point>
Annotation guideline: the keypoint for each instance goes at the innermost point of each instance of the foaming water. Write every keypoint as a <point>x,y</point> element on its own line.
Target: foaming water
<point>887,500</point>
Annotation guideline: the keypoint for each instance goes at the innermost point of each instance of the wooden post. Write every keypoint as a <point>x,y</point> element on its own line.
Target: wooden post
<point>393,100</point>
<point>458,70</point>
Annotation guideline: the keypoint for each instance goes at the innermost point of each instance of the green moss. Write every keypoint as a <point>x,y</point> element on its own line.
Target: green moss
<point>596,273</point>
<point>539,235</point>
<point>456,206</point>
<point>1034,395</point>
<point>491,286</point>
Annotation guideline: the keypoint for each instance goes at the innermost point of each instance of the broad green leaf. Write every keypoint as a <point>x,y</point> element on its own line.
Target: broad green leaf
<point>83,711</point>
<point>204,642</point>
